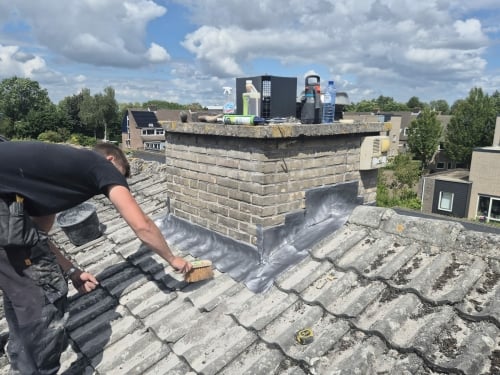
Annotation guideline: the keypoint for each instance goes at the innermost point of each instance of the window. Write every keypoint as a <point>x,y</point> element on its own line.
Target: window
<point>156,146</point>
<point>157,131</point>
<point>445,201</point>
<point>405,132</point>
<point>488,208</point>
<point>440,165</point>
<point>449,165</point>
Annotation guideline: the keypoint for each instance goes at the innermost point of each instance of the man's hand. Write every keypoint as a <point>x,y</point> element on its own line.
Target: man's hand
<point>181,265</point>
<point>84,282</point>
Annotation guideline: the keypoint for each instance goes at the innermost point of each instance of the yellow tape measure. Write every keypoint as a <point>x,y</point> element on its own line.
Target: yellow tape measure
<point>304,336</point>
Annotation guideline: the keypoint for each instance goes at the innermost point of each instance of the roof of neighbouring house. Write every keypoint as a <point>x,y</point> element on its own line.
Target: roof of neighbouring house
<point>146,118</point>
<point>494,149</point>
<point>385,293</point>
<point>456,175</point>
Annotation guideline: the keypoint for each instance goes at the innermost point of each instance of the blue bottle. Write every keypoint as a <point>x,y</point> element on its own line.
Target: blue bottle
<point>329,103</point>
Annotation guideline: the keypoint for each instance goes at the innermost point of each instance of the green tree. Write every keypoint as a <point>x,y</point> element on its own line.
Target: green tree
<point>49,118</point>
<point>99,112</point>
<point>88,113</point>
<point>162,104</point>
<point>406,171</point>
<point>456,105</point>
<point>70,107</point>
<point>362,106</point>
<point>108,110</point>
<point>122,107</point>
<point>472,125</point>
<point>6,128</point>
<point>424,134</point>
<point>440,106</point>
<point>381,104</point>
<point>18,97</point>
<point>415,103</point>
<point>51,136</point>
<point>388,104</point>
<point>496,101</point>
<point>396,183</point>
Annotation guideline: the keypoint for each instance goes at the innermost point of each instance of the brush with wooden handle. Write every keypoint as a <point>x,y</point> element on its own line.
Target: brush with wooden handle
<point>202,270</point>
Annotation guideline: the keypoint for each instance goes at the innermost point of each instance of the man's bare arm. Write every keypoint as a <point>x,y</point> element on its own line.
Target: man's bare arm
<point>144,227</point>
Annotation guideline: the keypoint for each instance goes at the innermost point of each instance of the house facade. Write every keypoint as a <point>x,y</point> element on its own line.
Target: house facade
<point>485,177</point>
<point>141,129</point>
<point>446,193</point>
<point>473,194</point>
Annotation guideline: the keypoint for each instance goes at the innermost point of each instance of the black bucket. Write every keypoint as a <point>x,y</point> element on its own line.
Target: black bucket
<point>80,223</point>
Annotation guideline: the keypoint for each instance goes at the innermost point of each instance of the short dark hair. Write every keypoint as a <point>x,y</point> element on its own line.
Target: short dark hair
<point>109,149</point>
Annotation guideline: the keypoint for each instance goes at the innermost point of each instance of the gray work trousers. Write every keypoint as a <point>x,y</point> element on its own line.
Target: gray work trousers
<point>35,307</point>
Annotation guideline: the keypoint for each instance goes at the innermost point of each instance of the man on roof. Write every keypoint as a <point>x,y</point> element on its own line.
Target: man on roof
<point>47,179</point>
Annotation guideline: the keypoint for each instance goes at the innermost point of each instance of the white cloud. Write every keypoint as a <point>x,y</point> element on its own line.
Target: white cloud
<point>15,62</point>
<point>157,54</point>
<point>470,31</point>
<point>406,41</point>
<point>428,48</point>
<point>97,32</point>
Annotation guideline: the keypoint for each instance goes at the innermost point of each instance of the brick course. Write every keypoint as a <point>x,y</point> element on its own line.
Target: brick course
<point>234,185</point>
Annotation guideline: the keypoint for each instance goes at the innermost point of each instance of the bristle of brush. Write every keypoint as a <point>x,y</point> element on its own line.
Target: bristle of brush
<point>202,270</point>
<point>201,263</point>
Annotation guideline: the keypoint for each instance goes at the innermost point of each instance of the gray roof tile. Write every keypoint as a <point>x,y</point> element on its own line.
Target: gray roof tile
<point>170,364</point>
<point>172,321</point>
<point>260,309</point>
<point>327,330</point>
<point>343,294</point>
<point>384,294</point>
<point>258,358</point>
<point>357,353</point>
<point>133,354</point>
<point>213,341</point>
<point>424,230</point>
<point>221,288</point>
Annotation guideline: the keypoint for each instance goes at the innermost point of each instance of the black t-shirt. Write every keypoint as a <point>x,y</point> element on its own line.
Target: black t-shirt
<point>53,177</point>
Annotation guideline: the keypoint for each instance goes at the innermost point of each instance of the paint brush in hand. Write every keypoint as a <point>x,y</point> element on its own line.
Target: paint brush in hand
<point>202,270</point>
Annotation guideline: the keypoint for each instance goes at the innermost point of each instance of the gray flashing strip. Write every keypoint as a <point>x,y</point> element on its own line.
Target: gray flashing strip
<point>278,248</point>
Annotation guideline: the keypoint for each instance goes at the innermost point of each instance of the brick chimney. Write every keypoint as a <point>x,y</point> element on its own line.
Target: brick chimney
<point>243,181</point>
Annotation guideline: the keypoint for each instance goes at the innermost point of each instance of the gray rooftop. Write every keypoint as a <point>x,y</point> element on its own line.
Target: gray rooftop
<point>384,294</point>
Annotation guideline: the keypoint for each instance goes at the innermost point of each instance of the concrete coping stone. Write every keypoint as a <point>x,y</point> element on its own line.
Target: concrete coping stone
<point>285,130</point>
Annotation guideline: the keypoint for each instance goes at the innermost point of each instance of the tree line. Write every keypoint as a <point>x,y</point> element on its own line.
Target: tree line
<point>472,124</point>
<point>26,112</point>
<point>388,104</point>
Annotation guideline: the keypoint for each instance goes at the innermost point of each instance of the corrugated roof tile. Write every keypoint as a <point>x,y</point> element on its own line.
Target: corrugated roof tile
<point>385,293</point>
<point>212,341</point>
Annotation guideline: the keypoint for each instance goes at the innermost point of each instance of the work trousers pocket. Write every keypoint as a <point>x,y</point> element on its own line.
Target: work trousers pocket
<point>17,230</point>
<point>45,271</point>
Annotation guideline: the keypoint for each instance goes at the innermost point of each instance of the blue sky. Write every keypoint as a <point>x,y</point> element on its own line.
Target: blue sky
<point>185,51</point>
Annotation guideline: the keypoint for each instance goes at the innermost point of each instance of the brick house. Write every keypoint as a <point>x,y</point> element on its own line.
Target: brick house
<point>141,129</point>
